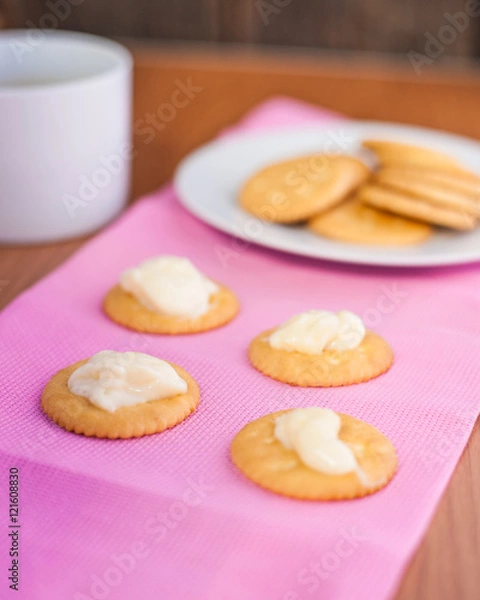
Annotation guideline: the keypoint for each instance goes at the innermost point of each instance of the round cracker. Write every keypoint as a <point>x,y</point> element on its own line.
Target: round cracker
<point>405,154</point>
<point>294,190</point>
<point>464,183</point>
<point>356,222</point>
<point>265,461</point>
<point>402,204</point>
<point>123,308</point>
<point>435,193</point>
<point>77,414</point>
<point>331,368</point>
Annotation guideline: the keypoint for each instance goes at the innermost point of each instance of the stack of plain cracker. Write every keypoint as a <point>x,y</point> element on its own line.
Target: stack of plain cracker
<point>424,185</point>
<point>339,197</point>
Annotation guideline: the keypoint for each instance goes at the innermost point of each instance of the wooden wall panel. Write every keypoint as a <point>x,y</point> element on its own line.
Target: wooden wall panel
<point>188,20</point>
<point>11,13</point>
<point>366,25</point>
<point>371,25</point>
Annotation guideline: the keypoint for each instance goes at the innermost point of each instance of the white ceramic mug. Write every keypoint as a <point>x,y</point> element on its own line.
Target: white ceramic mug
<point>65,134</point>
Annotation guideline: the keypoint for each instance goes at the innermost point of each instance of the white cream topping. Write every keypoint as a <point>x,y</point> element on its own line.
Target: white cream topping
<point>170,285</point>
<point>113,379</point>
<point>314,331</point>
<point>313,434</point>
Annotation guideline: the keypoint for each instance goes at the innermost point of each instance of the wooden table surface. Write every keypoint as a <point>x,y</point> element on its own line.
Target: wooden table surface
<point>446,566</point>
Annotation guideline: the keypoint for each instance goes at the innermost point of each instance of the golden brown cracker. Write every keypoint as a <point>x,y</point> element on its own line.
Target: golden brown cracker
<point>294,190</point>
<point>265,461</point>
<point>392,153</point>
<point>397,202</point>
<point>331,368</point>
<point>437,194</point>
<point>77,414</point>
<point>462,182</point>
<point>123,308</point>
<point>355,222</point>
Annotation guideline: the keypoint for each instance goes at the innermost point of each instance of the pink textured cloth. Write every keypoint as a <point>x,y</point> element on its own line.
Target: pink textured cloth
<point>168,516</point>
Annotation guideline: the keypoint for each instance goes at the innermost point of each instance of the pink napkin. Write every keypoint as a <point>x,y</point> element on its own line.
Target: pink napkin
<point>168,516</point>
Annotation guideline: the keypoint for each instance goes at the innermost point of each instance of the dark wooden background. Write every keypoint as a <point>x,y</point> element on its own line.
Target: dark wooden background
<point>368,25</point>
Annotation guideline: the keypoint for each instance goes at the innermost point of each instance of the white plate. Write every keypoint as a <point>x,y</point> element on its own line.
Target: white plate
<point>208,181</point>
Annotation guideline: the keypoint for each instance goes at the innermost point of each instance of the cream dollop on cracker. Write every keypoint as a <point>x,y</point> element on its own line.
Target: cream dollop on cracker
<point>170,285</point>
<point>111,379</point>
<point>314,331</point>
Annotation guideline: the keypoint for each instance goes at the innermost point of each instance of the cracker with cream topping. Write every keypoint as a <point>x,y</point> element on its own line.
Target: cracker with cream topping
<point>123,308</point>
<point>77,414</point>
<point>330,368</point>
<point>263,459</point>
